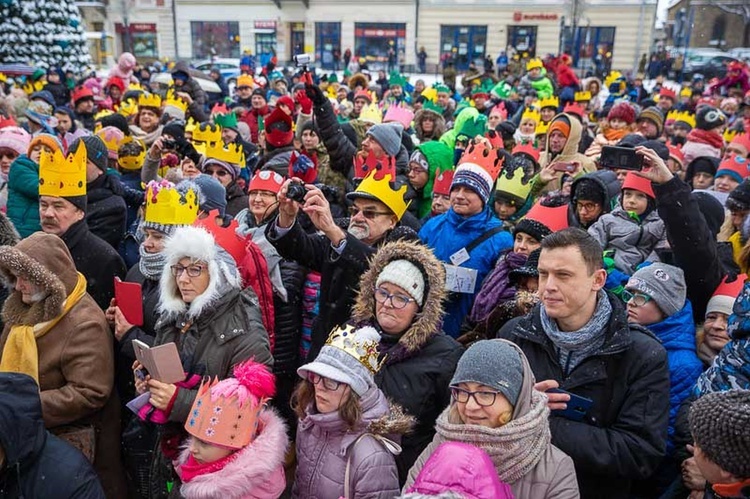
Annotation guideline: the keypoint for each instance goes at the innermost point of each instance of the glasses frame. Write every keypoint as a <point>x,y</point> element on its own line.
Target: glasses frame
<point>457,393</point>
<point>591,206</point>
<point>329,384</point>
<point>390,297</point>
<point>368,214</point>
<point>627,296</point>
<point>177,270</point>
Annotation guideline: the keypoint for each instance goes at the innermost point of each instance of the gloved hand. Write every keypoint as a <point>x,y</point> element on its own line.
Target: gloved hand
<point>304,101</point>
<point>315,93</point>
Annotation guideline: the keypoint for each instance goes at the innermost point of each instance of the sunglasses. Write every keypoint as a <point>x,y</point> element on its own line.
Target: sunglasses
<point>367,213</point>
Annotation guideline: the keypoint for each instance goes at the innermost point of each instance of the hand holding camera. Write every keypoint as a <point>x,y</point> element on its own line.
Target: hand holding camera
<point>654,168</point>
<point>290,199</point>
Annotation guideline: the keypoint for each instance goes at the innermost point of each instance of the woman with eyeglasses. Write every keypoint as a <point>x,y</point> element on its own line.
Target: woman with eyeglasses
<point>495,407</point>
<point>214,323</point>
<point>401,295</point>
<point>348,431</point>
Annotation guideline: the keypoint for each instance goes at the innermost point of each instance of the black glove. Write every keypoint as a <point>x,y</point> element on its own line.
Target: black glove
<point>315,94</point>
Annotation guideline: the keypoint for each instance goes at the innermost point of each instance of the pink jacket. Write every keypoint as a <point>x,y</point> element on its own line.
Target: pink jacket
<point>257,472</point>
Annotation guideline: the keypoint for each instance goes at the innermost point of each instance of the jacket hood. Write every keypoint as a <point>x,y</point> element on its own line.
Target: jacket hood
<point>22,433</point>
<point>607,182</point>
<point>449,138</point>
<point>428,320</point>
<point>181,66</point>
<point>677,332</point>
<point>44,260</point>
<point>8,233</point>
<point>256,468</point>
<point>199,245</point>
<point>439,158</point>
<point>439,123</point>
<point>574,139</point>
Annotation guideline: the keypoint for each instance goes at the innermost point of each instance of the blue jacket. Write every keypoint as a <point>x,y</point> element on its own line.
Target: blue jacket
<point>677,334</point>
<point>23,196</point>
<point>446,234</point>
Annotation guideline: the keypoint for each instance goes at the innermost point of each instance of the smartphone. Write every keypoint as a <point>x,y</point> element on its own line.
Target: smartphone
<point>564,167</point>
<point>620,158</point>
<point>577,406</point>
<point>140,374</point>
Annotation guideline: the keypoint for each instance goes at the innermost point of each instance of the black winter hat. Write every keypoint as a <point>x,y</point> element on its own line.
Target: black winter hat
<point>589,190</point>
<point>261,92</point>
<point>528,269</point>
<point>708,118</point>
<point>632,140</point>
<point>176,130</point>
<point>658,147</point>
<point>96,150</point>
<point>116,120</point>
<point>506,129</point>
<point>711,209</point>
<point>739,198</point>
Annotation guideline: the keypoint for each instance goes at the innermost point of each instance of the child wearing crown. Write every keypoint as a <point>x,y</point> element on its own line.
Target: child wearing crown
<point>237,444</point>
<point>344,446</point>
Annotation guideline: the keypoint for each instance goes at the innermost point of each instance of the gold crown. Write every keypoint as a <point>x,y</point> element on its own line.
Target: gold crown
<point>103,114</point>
<point>686,92</point>
<point>382,191</point>
<point>363,347</point>
<point>191,125</point>
<point>671,115</point>
<point>534,63</point>
<point>137,87</point>
<point>61,176</point>
<point>207,133</point>
<point>729,135</point>
<point>583,96</point>
<point>611,78</point>
<point>515,183</point>
<point>230,153</point>
<point>132,162</point>
<point>541,128</point>
<point>149,100</point>
<point>532,114</point>
<point>371,113</point>
<point>31,87</point>
<point>166,206</point>
<point>548,102</point>
<point>128,107</point>
<point>685,117</point>
<point>174,101</point>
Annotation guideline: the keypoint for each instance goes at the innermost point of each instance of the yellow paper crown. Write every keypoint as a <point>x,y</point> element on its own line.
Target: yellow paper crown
<point>174,101</point>
<point>541,128</point>
<point>531,114</point>
<point>671,115</point>
<point>230,153</point>
<point>612,77</point>
<point>61,176</point>
<point>382,191</point>
<point>583,96</point>
<point>103,114</point>
<point>371,113</point>
<point>149,100</point>
<point>132,162</point>
<point>548,102</point>
<point>166,206</point>
<point>128,107</point>
<point>31,87</point>
<point>191,125</point>
<point>729,135</point>
<point>534,63</point>
<point>137,87</point>
<point>514,184</point>
<point>206,133</point>
<point>685,117</point>
<point>430,93</point>
<point>359,344</point>
<point>686,92</point>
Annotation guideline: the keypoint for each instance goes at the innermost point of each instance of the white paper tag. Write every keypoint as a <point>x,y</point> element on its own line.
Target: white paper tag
<point>460,257</point>
<point>460,279</point>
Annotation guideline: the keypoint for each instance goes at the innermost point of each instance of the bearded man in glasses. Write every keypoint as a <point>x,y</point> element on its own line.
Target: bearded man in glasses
<point>341,249</point>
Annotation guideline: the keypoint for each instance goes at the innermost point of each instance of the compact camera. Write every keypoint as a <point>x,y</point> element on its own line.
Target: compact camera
<point>302,60</point>
<point>296,192</point>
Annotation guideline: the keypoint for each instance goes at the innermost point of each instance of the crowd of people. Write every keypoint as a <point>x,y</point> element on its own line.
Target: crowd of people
<point>531,287</point>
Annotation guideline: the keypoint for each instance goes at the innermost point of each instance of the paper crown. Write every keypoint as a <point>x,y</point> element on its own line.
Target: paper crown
<point>531,113</point>
<point>132,162</point>
<point>473,127</point>
<point>495,138</point>
<point>226,237</point>
<point>541,128</point>
<point>137,87</point>
<point>245,81</point>
<point>500,109</point>
<point>266,180</point>
<point>371,113</point>
<point>528,149</point>
<point>514,183</point>
<point>433,108</point>
<point>362,94</point>
<point>638,183</point>
<point>31,87</point>
<point>103,113</point>
<point>174,101</point>
<point>383,192</point>
<point>547,102</point>
<point>365,350</point>
<point>228,120</point>
<point>227,413</point>
<point>442,88</point>
<point>675,152</point>
<point>534,63</point>
<point>112,138</point>
<point>443,183</point>
<point>190,125</point>
<point>490,160</point>
<point>686,92</point>
<point>385,165</point>
<point>206,133</point>
<point>165,205</point>
<point>430,93</point>
<point>684,117</point>
<point>668,93</point>
<point>149,100</point>
<point>397,79</point>
<point>61,176</point>
<point>219,108</point>
<point>230,153</point>
<point>128,107</point>
<point>583,96</point>
<point>400,115</point>
<point>554,218</point>
<point>731,289</point>
<point>575,108</point>
<point>303,166</point>
<point>729,135</point>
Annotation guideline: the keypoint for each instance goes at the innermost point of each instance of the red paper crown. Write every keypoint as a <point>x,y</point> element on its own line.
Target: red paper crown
<point>225,237</point>
<point>266,180</point>
<point>385,165</point>
<point>575,108</point>
<point>364,94</point>
<point>219,108</point>
<point>490,160</point>
<point>528,149</point>
<point>736,164</point>
<point>668,93</point>
<point>732,289</point>
<point>278,126</point>
<point>742,139</point>
<point>638,183</point>
<point>311,174</point>
<point>443,183</point>
<point>495,138</point>
<point>555,219</point>
<point>6,122</point>
<point>676,153</point>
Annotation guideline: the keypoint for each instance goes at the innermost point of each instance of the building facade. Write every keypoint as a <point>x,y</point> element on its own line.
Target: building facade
<point>712,25</point>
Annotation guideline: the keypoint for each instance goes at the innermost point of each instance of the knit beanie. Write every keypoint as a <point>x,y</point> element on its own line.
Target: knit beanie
<point>233,170</point>
<point>708,118</point>
<point>15,138</point>
<point>44,95</point>
<point>388,135</point>
<point>260,92</point>
<point>719,424</point>
<point>475,178</point>
<point>588,189</point>
<point>632,140</point>
<point>654,115</point>
<point>528,269</point>
<point>739,198</point>
<point>419,158</point>
<point>45,139</point>
<point>622,111</point>
<point>405,275</point>
<point>506,129</point>
<point>665,285</point>
<point>96,150</point>
<point>561,124</point>
<point>337,360</point>
<point>735,167</point>
<point>214,194</point>
<point>174,130</point>
<point>493,363</point>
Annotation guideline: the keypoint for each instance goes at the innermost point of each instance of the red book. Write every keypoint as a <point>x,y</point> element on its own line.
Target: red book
<point>129,298</point>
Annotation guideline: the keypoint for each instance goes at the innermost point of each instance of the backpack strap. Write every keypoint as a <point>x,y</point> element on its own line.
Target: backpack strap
<point>482,238</point>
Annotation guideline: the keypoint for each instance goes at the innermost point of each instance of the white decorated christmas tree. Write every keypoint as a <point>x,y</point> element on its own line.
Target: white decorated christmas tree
<point>43,33</point>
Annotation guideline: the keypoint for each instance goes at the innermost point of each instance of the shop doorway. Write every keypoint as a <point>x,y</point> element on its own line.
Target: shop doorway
<point>383,45</point>
<point>327,43</point>
<point>592,48</point>
<point>298,39</point>
<point>523,39</point>
<point>463,45</point>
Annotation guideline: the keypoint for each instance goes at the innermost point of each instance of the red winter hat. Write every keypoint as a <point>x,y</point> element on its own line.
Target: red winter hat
<point>742,139</point>
<point>726,293</point>
<point>266,180</point>
<point>81,93</point>
<point>286,100</point>
<point>527,149</point>
<point>553,218</point>
<point>676,153</point>
<point>116,81</point>
<point>278,126</point>
<point>638,183</point>
<point>622,111</point>
<point>443,183</point>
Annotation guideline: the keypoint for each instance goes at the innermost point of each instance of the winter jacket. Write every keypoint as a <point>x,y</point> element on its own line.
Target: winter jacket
<point>553,474</point>
<point>38,464</point>
<point>418,364</point>
<point>631,240</point>
<point>677,335</point>
<point>60,92</point>
<point>96,260</point>
<point>191,86</point>
<point>23,196</point>
<point>251,118</point>
<point>568,154</point>
<point>340,273</point>
<point>566,77</point>
<point>255,472</point>
<point>325,444</point>
<point>236,199</point>
<point>608,186</point>
<point>277,160</point>
<point>540,86</point>
<point>106,211</point>
<point>76,359</point>
<point>447,234</point>
<point>625,431</point>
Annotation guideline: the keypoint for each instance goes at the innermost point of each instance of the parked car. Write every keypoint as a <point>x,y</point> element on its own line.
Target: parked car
<point>709,65</point>
<point>229,68</point>
<point>741,53</point>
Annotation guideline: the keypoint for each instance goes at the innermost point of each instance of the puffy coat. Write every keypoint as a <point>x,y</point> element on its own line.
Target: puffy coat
<point>568,154</point>
<point>106,211</point>
<point>448,233</point>
<point>325,444</point>
<point>631,241</point>
<point>677,334</point>
<point>96,260</point>
<point>418,364</point>
<point>625,431</point>
<point>23,196</point>
<point>236,199</point>
<point>38,464</point>
<point>277,160</point>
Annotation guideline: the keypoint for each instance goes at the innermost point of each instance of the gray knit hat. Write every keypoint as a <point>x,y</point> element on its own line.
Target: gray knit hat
<point>720,424</point>
<point>388,135</point>
<point>96,150</point>
<point>665,285</point>
<point>493,363</point>
<point>214,195</point>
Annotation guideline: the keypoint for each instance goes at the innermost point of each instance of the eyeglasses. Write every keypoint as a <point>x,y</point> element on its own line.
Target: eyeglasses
<point>192,270</point>
<point>397,301</point>
<point>263,194</point>
<point>586,206</point>
<point>638,299</point>
<point>483,399</point>
<point>329,384</point>
<point>417,170</point>
<point>367,213</point>
<point>219,172</point>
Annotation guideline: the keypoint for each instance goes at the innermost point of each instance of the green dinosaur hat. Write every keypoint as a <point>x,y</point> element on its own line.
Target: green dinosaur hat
<point>226,121</point>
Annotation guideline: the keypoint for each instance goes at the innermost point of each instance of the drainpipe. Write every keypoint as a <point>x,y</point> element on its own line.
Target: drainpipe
<point>641,16</point>
<point>174,29</point>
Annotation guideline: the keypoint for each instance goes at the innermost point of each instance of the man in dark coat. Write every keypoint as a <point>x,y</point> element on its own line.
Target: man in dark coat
<point>33,462</point>
<point>578,339</point>
<point>184,82</point>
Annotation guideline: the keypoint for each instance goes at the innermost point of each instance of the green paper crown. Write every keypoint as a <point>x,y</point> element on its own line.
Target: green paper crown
<point>226,120</point>
<point>433,107</point>
<point>472,128</point>
<point>396,79</point>
<point>442,87</point>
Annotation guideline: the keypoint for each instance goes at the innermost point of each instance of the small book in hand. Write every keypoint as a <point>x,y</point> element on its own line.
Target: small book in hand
<point>161,362</point>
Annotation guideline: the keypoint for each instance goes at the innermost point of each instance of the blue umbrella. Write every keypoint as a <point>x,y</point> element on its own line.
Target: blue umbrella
<point>17,69</point>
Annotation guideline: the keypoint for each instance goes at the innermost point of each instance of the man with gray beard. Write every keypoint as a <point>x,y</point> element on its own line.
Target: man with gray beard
<point>341,249</point>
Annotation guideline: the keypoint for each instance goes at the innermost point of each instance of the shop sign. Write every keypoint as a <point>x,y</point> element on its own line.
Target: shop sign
<point>298,26</point>
<point>136,28</point>
<point>265,24</point>
<point>522,16</point>
<point>374,32</point>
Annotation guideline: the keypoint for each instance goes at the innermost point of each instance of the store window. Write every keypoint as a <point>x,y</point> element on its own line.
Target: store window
<point>594,48</point>
<point>215,39</point>
<point>463,45</point>
<point>327,43</point>
<point>139,39</point>
<point>265,40</point>
<point>298,39</point>
<point>523,39</point>
<point>382,44</point>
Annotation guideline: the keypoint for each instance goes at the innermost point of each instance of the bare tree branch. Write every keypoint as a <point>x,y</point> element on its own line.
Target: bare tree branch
<point>742,10</point>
